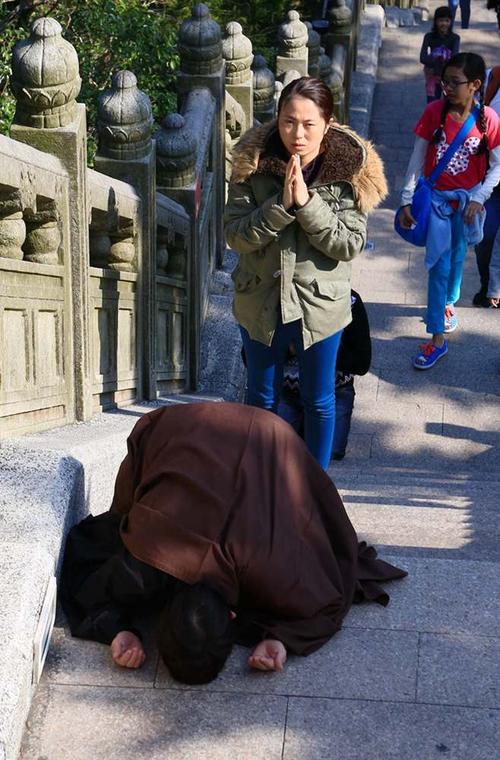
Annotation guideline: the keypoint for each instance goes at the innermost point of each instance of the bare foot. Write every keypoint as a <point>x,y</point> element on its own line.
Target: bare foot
<point>127,650</point>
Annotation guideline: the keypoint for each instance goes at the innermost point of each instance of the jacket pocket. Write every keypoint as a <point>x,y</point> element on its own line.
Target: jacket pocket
<point>331,290</point>
<point>244,282</point>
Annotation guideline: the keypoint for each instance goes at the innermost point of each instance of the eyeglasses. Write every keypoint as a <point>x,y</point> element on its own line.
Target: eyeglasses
<point>447,85</point>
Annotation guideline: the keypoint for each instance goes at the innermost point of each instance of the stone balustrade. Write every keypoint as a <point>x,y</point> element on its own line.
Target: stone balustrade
<point>104,273</point>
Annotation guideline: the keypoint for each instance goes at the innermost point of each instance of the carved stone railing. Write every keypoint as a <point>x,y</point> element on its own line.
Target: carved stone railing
<point>36,342</point>
<point>104,274</point>
<point>115,318</point>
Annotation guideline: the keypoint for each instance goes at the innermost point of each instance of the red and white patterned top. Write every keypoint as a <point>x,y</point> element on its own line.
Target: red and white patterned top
<point>466,169</point>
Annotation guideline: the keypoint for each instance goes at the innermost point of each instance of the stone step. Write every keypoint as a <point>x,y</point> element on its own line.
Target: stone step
<point>431,652</point>
<point>25,571</point>
<point>453,520</point>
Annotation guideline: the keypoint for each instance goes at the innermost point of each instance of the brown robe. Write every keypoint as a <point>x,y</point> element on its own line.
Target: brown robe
<point>229,495</point>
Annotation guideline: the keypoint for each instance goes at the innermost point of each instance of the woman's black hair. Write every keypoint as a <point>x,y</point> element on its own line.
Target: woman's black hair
<point>311,88</point>
<point>195,634</point>
<point>473,67</point>
<point>442,12</point>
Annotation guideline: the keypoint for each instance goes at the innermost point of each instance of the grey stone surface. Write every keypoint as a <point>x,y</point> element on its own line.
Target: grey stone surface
<point>460,522</point>
<point>438,596</point>
<point>222,368</point>
<point>376,730</point>
<point>37,490</point>
<point>73,661</point>
<point>355,664</point>
<point>25,570</point>
<point>459,670</point>
<point>90,723</point>
<point>363,78</point>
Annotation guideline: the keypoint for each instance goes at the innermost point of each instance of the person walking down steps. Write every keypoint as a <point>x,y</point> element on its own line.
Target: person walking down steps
<point>459,193</point>
<point>438,46</point>
<point>464,11</point>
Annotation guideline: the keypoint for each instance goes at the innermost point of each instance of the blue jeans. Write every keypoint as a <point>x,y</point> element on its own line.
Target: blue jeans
<point>485,247</point>
<point>445,278</point>
<point>317,381</point>
<point>291,409</point>
<point>464,11</point>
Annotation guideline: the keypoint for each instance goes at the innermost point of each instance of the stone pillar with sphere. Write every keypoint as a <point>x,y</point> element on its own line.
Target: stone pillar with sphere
<point>46,82</point>
<point>126,151</point>
<point>293,36</point>
<point>263,90</point>
<point>237,53</point>
<point>202,66</point>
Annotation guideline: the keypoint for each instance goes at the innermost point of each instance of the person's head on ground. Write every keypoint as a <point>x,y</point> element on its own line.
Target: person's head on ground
<point>305,110</point>
<point>195,634</point>
<point>463,78</point>
<point>443,21</point>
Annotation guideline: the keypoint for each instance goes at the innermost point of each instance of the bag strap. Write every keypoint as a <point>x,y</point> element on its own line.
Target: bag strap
<point>454,145</point>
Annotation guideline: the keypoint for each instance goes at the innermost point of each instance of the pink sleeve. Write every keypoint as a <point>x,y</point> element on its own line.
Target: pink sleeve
<point>429,121</point>
<point>492,127</point>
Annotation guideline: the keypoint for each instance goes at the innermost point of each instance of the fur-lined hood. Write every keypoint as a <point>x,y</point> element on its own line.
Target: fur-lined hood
<point>348,158</point>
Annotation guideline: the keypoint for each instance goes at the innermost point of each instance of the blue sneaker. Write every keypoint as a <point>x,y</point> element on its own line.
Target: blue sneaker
<point>429,355</point>
<point>450,319</point>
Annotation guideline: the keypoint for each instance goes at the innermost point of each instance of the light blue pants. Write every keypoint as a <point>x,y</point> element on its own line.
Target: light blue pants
<point>445,277</point>
<point>316,380</point>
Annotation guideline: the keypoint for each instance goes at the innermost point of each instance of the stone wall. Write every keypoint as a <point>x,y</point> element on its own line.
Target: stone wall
<point>105,273</point>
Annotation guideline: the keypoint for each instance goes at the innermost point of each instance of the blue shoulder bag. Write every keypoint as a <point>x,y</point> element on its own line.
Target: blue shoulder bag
<point>421,201</point>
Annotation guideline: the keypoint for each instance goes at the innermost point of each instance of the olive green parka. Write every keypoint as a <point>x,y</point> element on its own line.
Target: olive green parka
<point>299,261</point>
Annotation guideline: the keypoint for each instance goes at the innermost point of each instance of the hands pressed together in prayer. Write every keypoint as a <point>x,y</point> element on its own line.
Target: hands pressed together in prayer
<point>295,192</point>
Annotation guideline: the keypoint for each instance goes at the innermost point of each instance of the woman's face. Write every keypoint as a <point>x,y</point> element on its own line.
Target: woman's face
<point>302,128</point>
<point>443,26</point>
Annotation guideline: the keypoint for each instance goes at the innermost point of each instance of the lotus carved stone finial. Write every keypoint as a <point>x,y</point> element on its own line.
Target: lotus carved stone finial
<point>200,45</point>
<point>45,77</point>
<point>124,119</point>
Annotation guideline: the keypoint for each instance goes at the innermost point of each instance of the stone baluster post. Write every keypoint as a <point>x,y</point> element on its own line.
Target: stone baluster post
<point>12,225</point>
<point>278,89</point>
<point>126,151</point>
<point>176,178</point>
<point>340,33</point>
<point>332,79</point>
<point>292,46</point>
<point>237,53</point>
<point>45,81</point>
<point>263,90</point>
<point>313,46</point>
<point>202,65</point>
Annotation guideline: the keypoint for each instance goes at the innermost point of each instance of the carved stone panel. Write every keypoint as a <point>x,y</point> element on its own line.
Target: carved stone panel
<point>35,361</point>
<point>16,355</point>
<point>115,348</point>
<point>48,340</point>
<point>172,336</point>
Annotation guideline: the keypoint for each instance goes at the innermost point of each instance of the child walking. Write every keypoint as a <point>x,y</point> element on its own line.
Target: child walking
<point>459,193</point>
<point>438,46</point>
